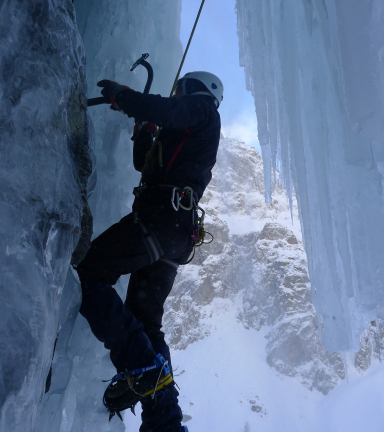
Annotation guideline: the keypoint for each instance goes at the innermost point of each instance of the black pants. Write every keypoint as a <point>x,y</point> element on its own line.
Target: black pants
<point>125,249</point>
<point>132,330</point>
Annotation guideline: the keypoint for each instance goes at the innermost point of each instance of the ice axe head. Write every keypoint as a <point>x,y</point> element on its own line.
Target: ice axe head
<point>139,61</point>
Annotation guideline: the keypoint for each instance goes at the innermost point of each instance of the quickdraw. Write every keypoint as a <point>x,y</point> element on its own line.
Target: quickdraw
<point>201,233</point>
<point>198,233</point>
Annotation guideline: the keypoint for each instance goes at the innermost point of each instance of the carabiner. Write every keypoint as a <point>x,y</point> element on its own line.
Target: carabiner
<point>175,192</point>
<point>190,192</point>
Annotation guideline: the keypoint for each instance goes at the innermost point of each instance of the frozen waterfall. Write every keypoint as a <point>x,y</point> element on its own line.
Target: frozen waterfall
<point>44,166</point>
<point>315,69</point>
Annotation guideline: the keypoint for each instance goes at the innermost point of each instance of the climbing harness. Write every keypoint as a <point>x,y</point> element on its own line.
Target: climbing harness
<point>156,153</point>
<point>116,403</point>
<point>179,147</point>
<point>177,194</point>
<point>150,241</point>
<point>198,234</point>
<point>153,246</point>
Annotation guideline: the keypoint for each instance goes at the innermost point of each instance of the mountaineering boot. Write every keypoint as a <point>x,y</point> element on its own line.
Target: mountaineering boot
<point>162,414</point>
<point>128,388</point>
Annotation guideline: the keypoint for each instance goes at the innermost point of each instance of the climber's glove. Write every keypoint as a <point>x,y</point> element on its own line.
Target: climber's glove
<point>111,90</point>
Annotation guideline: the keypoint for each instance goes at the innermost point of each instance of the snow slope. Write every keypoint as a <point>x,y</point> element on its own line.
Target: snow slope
<point>226,384</point>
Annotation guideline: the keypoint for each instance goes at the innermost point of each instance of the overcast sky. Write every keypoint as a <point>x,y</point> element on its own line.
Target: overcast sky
<point>215,49</point>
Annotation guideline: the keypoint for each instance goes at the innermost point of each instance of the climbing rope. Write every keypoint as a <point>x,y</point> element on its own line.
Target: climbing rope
<point>187,47</point>
<point>182,62</point>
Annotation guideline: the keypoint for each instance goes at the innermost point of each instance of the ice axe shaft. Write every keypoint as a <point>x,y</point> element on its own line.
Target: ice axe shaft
<point>98,101</point>
<point>150,76</point>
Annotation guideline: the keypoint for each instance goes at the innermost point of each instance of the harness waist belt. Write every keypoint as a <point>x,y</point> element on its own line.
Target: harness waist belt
<point>137,190</point>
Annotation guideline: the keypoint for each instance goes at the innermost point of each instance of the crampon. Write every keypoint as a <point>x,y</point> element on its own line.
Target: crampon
<point>128,388</point>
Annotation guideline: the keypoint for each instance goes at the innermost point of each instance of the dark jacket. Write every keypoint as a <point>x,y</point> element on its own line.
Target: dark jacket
<point>189,138</point>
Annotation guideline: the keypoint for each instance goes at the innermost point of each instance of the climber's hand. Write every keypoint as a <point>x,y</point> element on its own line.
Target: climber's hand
<point>110,90</point>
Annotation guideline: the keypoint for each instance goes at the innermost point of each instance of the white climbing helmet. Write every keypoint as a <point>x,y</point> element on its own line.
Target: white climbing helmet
<point>211,81</point>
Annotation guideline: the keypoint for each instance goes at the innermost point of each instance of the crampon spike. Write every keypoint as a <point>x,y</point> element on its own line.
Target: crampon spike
<point>111,414</point>
<point>119,415</point>
<point>133,410</point>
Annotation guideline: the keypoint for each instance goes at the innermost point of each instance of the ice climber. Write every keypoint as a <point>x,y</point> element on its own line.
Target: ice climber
<point>151,242</point>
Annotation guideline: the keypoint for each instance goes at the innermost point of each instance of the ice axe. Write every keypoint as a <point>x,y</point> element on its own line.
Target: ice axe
<point>141,61</point>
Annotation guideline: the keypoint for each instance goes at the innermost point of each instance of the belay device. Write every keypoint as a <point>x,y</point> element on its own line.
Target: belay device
<point>141,61</point>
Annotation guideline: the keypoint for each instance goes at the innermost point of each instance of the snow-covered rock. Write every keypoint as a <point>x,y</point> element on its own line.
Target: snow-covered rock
<point>257,254</point>
<point>283,299</point>
<point>371,346</point>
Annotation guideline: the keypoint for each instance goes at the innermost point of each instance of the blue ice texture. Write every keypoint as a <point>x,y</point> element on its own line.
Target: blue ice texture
<point>316,71</point>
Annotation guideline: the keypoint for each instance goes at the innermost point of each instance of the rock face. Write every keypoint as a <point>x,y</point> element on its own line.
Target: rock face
<point>371,346</point>
<point>294,346</point>
<point>258,260</point>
